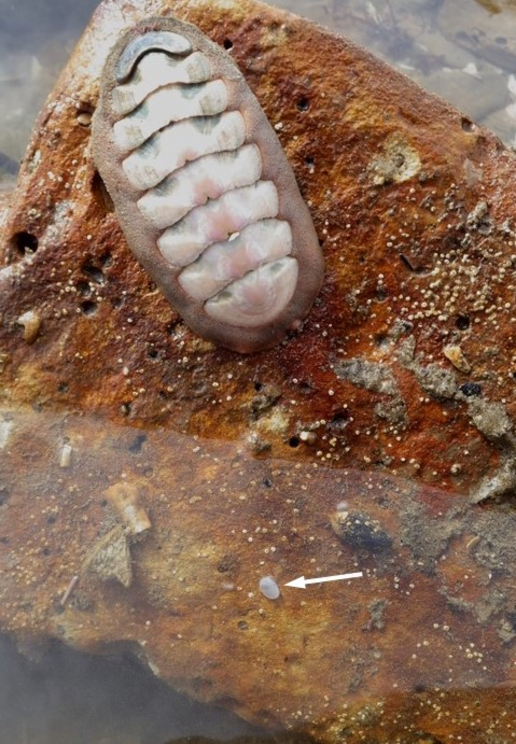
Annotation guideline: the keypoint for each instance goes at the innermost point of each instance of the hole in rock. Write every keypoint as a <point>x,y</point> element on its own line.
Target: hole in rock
<point>24,243</point>
<point>138,443</point>
<point>228,44</point>
<point>83,288</point>
<point>88,307</point>
<point>228,563</point>
<point>303,104</point>
<point>305,387</point>
<point>471,389</point>
<point>174,328</point>
<point>504,498</point>
<point>340,419</point>
<point>467,125</point>
<point>294,442</point>
<point>93,272</point>
<point>381,294</point>
<point>462,322</point>
<point>381,339</point>
<point>106,259</point>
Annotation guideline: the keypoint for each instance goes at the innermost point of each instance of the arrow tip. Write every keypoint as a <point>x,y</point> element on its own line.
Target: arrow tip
<point>297,583</point>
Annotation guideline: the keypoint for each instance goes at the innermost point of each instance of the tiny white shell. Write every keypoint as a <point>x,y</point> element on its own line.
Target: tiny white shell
<point>269,587</point>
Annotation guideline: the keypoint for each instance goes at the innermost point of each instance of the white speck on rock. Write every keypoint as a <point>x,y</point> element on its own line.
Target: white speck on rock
<point>269,587</point>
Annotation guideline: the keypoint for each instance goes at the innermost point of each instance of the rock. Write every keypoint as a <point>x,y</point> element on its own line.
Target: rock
<point>477,91</point>
<point>363,411</point>
<point>437,594</point>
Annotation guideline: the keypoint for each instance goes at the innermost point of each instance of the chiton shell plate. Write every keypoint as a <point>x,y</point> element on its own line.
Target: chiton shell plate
<point>202,189</point>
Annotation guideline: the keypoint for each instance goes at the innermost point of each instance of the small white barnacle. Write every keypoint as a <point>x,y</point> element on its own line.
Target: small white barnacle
<point>269,588</point>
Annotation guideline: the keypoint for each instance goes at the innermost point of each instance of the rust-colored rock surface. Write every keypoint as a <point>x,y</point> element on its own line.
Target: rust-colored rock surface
<point>158,542</point>
<point>150,479</point>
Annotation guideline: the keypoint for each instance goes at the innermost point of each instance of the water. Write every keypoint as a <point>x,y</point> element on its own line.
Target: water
<point>54,695</point>
<point>432,41</point>
<point>206,523</point>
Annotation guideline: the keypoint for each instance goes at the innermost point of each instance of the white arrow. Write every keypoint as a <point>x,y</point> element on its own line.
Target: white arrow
<point>302,582</point>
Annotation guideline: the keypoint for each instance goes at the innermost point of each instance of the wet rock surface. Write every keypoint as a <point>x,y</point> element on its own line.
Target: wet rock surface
<point>380,437</point>
<point>428,628</point>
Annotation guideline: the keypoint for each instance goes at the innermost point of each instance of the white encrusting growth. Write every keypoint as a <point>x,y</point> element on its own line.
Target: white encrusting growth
<point>6,428</point>
<point>206,178</point>
<point>202,184</point>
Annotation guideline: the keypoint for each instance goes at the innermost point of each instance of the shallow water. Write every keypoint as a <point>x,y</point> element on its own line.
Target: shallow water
<point>55,695</point>
<point>64,574</point>
<point>51,700</point>
<point>463,50</point>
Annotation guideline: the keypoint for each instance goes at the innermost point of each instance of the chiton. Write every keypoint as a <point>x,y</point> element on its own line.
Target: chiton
<point>202,189</point>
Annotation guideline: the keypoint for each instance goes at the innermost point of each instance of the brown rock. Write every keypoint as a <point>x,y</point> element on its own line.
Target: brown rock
<point>428,626</point>
<point>414,208</point>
